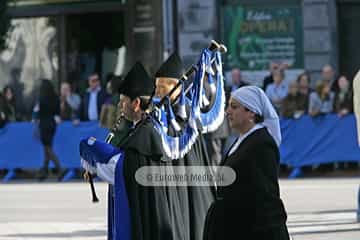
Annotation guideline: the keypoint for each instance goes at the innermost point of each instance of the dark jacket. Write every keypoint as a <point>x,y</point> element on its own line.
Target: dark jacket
<point>267,81</point>
<point>345,103</point>
<point>292,103</point>
<point>251,206</point>
<point>150,210</point>
<point>101,98</point>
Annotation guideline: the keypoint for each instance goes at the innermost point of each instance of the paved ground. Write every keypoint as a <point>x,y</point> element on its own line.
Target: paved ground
<point>318,209</point>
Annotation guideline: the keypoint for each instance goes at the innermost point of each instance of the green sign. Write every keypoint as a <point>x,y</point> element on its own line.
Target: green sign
<point>257,35</point>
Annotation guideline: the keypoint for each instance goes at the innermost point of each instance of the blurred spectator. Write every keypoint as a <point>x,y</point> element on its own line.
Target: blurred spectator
<point>328,74</point>
<point>10,104</point>
<point>69,103</point>
<point>343,103</point>
<point>278,90</point>
<point>22,110</point>
<point>109,110</point>
<point>3,117</point>
<point>322,100</point>
<point>236,79</point>
<point>269,79</point>
<point>274,66</point>
<point>236,82</point>
<point>294,103</point>
<point>303,82</point>
<point>48,110</point>
<point>93,99</point>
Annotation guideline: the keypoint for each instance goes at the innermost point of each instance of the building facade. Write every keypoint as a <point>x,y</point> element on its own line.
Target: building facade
<point>306,34</point>
<point>66,40</point>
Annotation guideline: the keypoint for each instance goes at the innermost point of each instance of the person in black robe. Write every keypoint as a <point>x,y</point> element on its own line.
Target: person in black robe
<point>250,206</point>
<point>151,215</point>
<point>194,201</point>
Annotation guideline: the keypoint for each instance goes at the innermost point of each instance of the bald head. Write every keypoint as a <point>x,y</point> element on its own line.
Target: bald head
<point>327,73</point>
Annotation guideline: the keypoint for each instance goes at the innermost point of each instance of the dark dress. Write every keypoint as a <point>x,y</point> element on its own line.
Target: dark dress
<point>251,206</point>
<point>47,124</point>
<point>163,212</point>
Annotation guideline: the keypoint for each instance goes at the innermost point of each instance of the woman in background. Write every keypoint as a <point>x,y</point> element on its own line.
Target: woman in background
<point>10,104</point>
<point>48,116</point>
<point>322,100</point>
<point>343,103</point>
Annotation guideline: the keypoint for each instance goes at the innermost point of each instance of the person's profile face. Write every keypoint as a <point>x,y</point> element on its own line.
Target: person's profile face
<point>163,86</point>
<point>125,106</point>
<point>238,115</point>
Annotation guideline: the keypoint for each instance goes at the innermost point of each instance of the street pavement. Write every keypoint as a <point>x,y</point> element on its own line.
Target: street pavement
<point>318,209</point>
<point>322,209</point>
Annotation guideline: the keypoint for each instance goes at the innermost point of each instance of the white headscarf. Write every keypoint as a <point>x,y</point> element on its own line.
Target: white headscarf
<point>254,99</point>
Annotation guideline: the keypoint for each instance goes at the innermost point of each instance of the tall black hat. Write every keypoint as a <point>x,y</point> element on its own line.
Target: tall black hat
<point>137,82</point>
<point>171,68</point>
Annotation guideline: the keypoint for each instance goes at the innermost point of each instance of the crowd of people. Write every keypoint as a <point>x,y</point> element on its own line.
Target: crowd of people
<point>51,108</point>
<point>251,205</point>
<point>93,105</point>
<point>291,99</point>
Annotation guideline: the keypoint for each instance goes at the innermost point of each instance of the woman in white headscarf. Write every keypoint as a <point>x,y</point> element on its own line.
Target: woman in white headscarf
<point>251,205</point>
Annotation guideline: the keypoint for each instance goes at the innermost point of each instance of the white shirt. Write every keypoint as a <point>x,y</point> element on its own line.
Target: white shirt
<point>242,137</point>
<point>92,110</point>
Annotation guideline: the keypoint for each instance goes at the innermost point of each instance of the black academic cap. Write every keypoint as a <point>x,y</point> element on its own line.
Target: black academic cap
<point>171,68</point>
<point>137,82</point>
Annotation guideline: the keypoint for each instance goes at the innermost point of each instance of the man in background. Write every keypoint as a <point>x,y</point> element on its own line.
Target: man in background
<point>93,99</point>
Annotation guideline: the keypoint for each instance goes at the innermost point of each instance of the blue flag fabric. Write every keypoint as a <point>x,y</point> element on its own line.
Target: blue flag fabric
<point>94,151</point>
<point>122,211</point>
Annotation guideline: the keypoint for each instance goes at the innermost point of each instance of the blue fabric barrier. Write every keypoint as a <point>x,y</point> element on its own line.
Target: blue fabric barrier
<point>20,146</point>
<point>306,141</point>
<point>323,139</point>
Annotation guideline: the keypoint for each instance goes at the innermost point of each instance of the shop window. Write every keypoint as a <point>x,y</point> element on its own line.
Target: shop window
<point>31,55</point>
<point>95,43</point>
